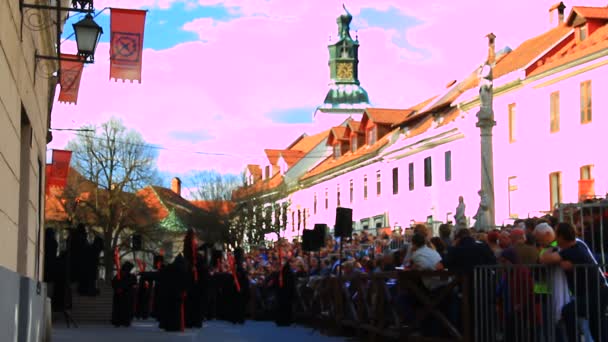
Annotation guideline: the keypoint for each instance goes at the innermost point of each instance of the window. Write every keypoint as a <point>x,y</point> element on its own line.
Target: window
<point>411,176</point>
<point>337,151</point>
<point>364,187</point>
<point>395,181</point>
<point>350,190</point>
<point>353,143</point>
<point>338,195</point>
<point>586,102</point>
<point>512,182</point>
<point>512,126</point>
<point>428,172</point>
<point>371,136</point>
<point>586,172</point>
<point>555,180</point>
<point>326,198</point>
<point>582,33</point>
<point>378,183</point>
<point>586,184</point>
<point>554,109</point>
<point>448,166</point>
<point>267,172</point>
<point>314,204</point>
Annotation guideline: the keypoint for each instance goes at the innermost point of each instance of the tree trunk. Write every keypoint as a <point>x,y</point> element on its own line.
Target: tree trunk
<point>108,255</point>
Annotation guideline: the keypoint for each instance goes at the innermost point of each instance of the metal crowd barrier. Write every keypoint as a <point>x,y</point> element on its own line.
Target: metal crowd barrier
<point>589,218</point>
<point>534,303</point>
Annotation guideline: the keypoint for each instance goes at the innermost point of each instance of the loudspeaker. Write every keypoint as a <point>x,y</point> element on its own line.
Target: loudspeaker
<point>344,222</point>
<point>319,235</point>
<point>136,242</point>
<point>308,240</point>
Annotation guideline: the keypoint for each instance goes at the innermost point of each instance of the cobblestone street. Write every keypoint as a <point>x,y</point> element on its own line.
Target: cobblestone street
<point>252,331</point>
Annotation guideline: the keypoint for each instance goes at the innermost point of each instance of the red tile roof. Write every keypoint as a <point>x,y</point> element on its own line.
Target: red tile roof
<point>161,201</point>
<point>597,41</point>
<point>588,13</point>
<point>258,187</point>
<point>255,171</point>
<point>221,207</point>
<point>386,116</point>
<point>307,143</point>
<point>273,156</point>
<point>291,157</point>
<point>337,133</point>
<point>354,126</point>
<point>331,163</point>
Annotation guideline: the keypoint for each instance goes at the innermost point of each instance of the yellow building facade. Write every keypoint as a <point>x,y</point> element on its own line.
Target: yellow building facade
<point>27,88</point>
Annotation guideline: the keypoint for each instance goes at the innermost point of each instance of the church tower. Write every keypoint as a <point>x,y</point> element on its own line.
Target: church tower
<point>345,96</point>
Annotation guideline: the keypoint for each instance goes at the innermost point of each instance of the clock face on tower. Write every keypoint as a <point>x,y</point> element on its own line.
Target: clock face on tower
<point>344,70</point>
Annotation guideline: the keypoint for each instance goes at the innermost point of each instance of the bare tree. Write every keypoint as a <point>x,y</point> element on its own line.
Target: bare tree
<point>118,162</point>
<point>213,186</point>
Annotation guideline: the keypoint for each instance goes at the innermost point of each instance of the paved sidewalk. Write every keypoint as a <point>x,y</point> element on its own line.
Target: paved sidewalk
<point>252,331</point>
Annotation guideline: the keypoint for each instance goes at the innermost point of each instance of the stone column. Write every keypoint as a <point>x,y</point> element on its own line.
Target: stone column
<point>485,122</point>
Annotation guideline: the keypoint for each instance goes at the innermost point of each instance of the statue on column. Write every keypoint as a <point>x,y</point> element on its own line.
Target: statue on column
<point>486,92</point>
<point>460,217</point>
<point>481,217</point>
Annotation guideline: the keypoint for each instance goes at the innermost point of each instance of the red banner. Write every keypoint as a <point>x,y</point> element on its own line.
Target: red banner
<point>57,172</point>
<point>70,73</point>
<point>126,43</point>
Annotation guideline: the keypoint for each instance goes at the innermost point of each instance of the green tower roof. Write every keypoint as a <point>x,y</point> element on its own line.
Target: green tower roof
<point>345,93</point>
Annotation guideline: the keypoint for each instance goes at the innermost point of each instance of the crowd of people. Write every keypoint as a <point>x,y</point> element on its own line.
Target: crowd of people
<point>203,283</point>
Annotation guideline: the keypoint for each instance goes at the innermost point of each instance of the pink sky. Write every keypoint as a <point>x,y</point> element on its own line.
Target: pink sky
<point>274,58</point>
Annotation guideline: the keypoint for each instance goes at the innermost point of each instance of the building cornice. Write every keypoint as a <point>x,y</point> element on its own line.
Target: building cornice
<point>432,141</point>
<point>569,74</point>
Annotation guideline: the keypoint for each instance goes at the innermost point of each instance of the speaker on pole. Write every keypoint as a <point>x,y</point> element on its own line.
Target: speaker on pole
<point>320,233</point>
<point>308,240</point>
<point>344,222</point>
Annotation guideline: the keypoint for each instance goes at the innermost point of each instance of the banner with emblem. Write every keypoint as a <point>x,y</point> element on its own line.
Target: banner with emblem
<point>126,43</point>
<point>69,78</point>
<point>57,172</point>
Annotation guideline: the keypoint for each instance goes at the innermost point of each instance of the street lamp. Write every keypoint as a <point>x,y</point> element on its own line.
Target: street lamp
<point>87,34</point>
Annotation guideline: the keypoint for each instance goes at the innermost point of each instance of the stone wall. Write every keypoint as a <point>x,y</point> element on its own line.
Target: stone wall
<point>22,308</point>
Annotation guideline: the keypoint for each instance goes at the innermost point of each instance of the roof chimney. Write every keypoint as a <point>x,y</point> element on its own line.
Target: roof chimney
<point>559,9</point>
<point>176,186</point>
<point>491,48</point>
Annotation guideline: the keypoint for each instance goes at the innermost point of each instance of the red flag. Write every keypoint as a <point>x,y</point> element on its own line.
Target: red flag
<point>234,276</point>
<point>57,172</point>
<point>126,43</point>
<point>117,262</point>
<point>48,177</point>
<point>70,73</point>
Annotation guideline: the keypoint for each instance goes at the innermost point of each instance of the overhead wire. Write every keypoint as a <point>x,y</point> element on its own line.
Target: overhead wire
<point>87,134</point>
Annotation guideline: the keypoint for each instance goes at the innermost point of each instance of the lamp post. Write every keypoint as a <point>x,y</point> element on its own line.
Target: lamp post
<point>87,31</point>
<point>485,122</point>
<point>87,34</point>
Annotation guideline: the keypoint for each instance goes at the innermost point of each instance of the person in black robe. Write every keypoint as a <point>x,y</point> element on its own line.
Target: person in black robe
<point>78,244</point>
<point>90,267</point>
<point>286,292</point>
<point>156,286</point>
<point>242,293</point>
<point>50,256</point>
<point>61,299</point>
<point>143,297</point>
<point>193,310</point>
<point>174,279</point>
<point>122,301</point>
